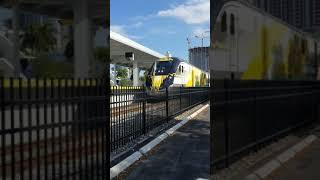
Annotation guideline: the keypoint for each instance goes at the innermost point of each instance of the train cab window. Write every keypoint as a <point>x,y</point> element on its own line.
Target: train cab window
<point>224,22</point>
<point>232,24</point>
<point>181,69</point>
<point>163,67</point>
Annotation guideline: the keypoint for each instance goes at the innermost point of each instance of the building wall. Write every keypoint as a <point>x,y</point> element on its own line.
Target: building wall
<point>316,12</point>
<point>199,57</point>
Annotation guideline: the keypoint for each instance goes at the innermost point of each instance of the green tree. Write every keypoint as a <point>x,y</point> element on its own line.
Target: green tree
<point>100,64</point>
<point>122,73</point>
<point>144,77</point>
<point>38,38</point>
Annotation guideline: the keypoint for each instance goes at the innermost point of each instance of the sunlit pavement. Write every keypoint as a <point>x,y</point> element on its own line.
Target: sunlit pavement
<point>185,155</point>
<point>306,165</point>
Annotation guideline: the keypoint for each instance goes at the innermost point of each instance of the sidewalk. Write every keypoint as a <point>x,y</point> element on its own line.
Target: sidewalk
<point>185,155</point>
<point>306,165</point>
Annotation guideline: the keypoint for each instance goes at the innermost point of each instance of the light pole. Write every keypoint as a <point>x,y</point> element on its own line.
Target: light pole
<point>202,37</point>
<point>189,43</point>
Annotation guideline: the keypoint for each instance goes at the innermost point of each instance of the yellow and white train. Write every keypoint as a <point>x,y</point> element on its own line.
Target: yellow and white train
<point>174,72</point>
<point>250,44</point>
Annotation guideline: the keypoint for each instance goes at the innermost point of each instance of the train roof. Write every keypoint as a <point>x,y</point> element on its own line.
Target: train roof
<point>179,60</point>
<point>172,58</point>
<point>250,5</point>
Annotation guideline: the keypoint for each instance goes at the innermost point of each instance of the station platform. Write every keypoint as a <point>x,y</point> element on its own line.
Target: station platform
<point>185,155</point>
<point>304,166</point>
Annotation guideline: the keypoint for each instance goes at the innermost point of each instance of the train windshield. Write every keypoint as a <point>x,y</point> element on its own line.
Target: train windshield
<point>163,67</point>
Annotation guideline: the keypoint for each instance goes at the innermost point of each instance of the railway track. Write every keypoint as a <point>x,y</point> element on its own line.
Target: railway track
<point>73,151</point>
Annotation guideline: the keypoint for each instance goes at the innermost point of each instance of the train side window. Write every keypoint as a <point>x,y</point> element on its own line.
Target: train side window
<point>179,70</point>
<point>224,22</point>
<point>232,24</point>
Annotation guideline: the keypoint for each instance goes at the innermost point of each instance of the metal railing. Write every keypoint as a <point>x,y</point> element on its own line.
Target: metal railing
<point>247,114</point>
<point>59,128</point>
<point>54,129</point>
<point>134,112</point>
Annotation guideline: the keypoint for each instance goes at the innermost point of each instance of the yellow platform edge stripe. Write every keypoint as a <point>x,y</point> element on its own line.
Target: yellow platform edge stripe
<point>55,83</point>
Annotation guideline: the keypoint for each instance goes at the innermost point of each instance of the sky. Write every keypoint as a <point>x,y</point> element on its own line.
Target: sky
<point>162,25</point>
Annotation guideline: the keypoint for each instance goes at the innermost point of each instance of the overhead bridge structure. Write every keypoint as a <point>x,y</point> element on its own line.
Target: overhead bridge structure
<point>84,14</point>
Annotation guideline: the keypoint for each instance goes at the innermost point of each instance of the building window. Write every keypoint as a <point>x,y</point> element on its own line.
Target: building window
<point>224,22</point>
<point>232,24</point>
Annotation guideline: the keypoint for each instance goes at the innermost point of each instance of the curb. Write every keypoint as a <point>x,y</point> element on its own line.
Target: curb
<point>124,164</point>
<point>117,169</point>
<point>277,162</point>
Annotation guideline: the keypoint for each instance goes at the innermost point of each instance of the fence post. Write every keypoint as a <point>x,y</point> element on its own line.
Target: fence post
<point>180,97</point>
<point>255,115</point>
<point>314,103</point>
<point>226,123</point>
<point>189,96</point>
<point>2,125</point>
<point>144,112</point>
<point>167,104</point>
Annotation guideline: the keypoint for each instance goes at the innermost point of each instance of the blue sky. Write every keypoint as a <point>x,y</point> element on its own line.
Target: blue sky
<point>162,25</point>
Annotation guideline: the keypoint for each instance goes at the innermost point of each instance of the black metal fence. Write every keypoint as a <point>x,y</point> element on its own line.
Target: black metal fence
<point>54,129</point>
<point>134,112</point>
<point>246,114</point>
<point>59,128</point>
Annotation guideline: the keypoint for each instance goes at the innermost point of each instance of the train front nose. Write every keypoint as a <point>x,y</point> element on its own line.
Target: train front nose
<point>157,81</point>
<point>167,82</point>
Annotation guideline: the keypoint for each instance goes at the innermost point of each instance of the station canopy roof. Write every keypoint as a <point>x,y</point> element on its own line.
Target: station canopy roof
<point>119,45</point>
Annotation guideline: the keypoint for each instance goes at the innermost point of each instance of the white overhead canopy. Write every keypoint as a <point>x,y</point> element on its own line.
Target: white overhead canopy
<point>119,45</point>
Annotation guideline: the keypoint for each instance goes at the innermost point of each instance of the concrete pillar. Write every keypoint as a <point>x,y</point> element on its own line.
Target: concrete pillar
<point>135,73</point>
<point>83,45</point>
<point>15,40</point>
<point>59,36</point>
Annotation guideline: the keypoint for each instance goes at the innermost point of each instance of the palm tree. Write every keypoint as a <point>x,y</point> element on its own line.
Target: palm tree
<point>39,39</point>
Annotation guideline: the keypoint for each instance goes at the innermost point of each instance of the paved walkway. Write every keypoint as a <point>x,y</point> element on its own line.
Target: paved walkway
<point>306,165</point>
<point>184,155</point>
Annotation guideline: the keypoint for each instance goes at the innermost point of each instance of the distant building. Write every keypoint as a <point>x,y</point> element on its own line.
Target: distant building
<point>303,14</point>
<point>199,57</point>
